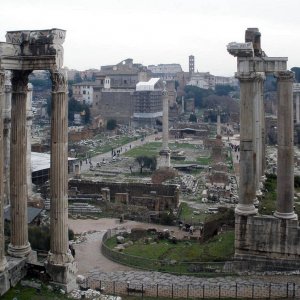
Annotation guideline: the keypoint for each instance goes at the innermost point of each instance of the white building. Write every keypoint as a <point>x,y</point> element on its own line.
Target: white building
<point>83,92</point>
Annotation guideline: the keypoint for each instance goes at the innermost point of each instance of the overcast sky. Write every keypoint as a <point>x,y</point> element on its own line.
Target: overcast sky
<point>102,32</point>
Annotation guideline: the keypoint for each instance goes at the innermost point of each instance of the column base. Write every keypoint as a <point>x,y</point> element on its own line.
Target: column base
<point>64,274</point>
<point>290,216</point>
<point>19,251</point>
<point>245,209</point>
<point>164,158</point>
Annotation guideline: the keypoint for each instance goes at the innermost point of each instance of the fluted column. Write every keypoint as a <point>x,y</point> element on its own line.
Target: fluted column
<point>6,141</point>
<point>263,138</point>
<point>285,156</point>
<point>258,133</point>
<point>28,129</point>
<point>59,247</point>
<point>3,262</point>
<point>19,245</point>
<point>248,87</point>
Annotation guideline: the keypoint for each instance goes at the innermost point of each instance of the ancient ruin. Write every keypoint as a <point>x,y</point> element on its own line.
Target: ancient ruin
<point>23,52</point>
<point>271,239</point>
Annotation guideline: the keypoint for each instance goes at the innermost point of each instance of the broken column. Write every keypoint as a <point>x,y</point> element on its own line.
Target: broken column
<point>248,86</point>
<point>285,152</point>
<point>3,262</point>
<point>19,245</point>
<point>60,265</point>
<point>165,151</point>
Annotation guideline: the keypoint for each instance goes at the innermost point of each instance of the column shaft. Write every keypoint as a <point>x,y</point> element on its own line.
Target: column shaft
<point>19,245</point>
<point>165,120</point>
<point>263,138</point>
<point>59,247</point>
<point>285,156</point>
<point>6,142</point>
<point>248,86</point>
<point>297,107</point>
<point>3,261</point>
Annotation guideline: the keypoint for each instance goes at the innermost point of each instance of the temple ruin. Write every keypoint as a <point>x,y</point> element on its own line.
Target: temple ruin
<point>266,238</point>
<point>23,52</point>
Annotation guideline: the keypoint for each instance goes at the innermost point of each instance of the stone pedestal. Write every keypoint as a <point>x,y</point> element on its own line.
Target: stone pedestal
<point>248,84</point>
<point>285,156</point>
<point>60,263</point>
<point>19,245</point>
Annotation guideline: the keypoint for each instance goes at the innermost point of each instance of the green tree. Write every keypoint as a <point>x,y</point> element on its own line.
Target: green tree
<point>145,161</point>
<point>111,124</point>
<point>223,90</point>
<point>193,118</point>
<point>197,93</point>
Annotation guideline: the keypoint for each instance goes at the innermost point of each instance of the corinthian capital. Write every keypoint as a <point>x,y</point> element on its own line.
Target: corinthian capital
<point>19,81</point>
<point>285,76</point>
<point>59,81</point>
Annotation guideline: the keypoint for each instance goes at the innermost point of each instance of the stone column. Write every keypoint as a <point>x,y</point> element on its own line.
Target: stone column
<point>28,129</point>
<point>6,141</point>
<point>263,137</point>
<point>3,262</point>
<point>248,86</point>
<point>285,156</point>
<point>61,266</point>
<point>258,133</point>
<point>165,152</point>
<point>218,122</point>
<point>297,107</point>
<point>19,245</point>
<point>59,248</point>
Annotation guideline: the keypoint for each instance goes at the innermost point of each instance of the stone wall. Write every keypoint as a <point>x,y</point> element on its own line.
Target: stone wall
<point>267,237</point>
<point>151,195</point>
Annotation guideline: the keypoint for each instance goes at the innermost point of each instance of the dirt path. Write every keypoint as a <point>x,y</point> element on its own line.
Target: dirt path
<point>88,254</point>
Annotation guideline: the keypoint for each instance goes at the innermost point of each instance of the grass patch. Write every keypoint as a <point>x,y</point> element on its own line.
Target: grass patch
<point>187,215</point>
<point>26,293</point>
<point>149,149</point>
<point>218,248</point>
<point>204,160</point>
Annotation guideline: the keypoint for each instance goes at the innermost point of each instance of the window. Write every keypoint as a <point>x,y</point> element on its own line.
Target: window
<point>83,92</point>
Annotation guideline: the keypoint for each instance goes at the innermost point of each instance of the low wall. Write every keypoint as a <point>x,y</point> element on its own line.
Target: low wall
<point>156,195</point>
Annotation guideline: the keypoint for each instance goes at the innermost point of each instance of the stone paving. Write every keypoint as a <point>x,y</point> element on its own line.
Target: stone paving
<point>162,284</point>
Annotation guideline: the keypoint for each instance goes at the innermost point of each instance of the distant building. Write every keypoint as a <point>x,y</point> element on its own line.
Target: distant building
<point>113,91</point>
<point>83,92</point>
<point>205,80</point>
<point>148,103</point>
<point>165,71</point>
<point>191,64</point>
